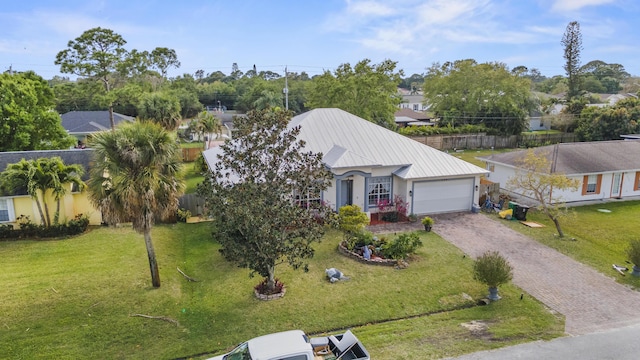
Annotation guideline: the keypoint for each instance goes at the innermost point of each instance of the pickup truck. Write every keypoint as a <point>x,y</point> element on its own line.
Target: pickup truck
<point>296,345</point>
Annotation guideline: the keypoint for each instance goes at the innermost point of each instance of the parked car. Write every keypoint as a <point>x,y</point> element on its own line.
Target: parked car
<point>296,345</point>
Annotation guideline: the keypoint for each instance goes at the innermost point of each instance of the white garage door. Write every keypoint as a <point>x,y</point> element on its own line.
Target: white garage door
<point>442,196</point>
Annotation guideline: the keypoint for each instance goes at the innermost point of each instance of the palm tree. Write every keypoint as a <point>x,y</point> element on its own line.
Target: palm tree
<point>38,176</point>
<point>27,176</point>
<point>162,108</point>
<point>135,178</point>
<point>204,125</point>
<point>63,176</point>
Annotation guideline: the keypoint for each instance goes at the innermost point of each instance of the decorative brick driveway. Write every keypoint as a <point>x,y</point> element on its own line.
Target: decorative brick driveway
<point>589,300</point>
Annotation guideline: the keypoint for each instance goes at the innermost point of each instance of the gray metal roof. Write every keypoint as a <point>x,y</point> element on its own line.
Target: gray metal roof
<point>86,122</point>
<point>348,141</point>
<point>582,157</point>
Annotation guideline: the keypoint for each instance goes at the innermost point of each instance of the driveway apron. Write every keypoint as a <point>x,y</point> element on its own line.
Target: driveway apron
<point>589,300</point>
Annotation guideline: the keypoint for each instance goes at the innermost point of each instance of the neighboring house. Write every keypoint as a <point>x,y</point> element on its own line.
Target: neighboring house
<point>12,205</point>
<point>81,124</point>
<point>406,117</point>
<point>605,169</point>
<point>371,164</point>
<point>413,102</point>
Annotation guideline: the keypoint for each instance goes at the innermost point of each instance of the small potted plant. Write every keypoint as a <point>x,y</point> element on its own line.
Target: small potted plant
<point>412,217</point>
<point>427,222</point>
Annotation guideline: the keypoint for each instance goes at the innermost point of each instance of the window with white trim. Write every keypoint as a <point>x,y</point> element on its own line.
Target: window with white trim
<point>6,210</point>
<point>592,184</point>
<point>379,190</point>
<point>310,197</point>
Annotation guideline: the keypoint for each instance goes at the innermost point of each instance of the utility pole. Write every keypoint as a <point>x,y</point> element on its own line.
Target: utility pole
<point>286,90</point>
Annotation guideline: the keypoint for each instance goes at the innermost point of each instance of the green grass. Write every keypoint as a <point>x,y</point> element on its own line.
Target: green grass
<point>471,155</point>
<point>69,299</point>
<point>601,239</point>
<point>192,177</point>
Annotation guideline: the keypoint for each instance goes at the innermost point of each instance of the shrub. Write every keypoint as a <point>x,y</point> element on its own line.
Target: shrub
<point>261,288</point>
<point>492,269</point>
<point>28,229</point>
<point>201,164</point>
<point>633,252</point>
<point>183,215</point>
<point>402,246</point>
<point>351,220</point>
<point>428,221</point>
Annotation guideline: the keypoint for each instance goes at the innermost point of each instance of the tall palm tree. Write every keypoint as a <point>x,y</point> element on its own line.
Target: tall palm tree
<point>135,178</point>
<point>28,176</point>
<point>206,124</point>
<point>62,177</point>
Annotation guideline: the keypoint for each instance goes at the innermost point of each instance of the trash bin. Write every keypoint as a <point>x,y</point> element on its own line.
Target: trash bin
<point>513,205</point>
<point>521,212</point>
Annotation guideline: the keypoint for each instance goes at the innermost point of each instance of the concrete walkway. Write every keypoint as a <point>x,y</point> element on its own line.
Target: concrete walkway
<point>589,300</point>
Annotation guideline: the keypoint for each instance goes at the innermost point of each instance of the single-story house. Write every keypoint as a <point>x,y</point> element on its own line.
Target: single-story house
<point>605,169</point>
<point>75,202</point>
<point>371,164</point>
<point>81,124</point>
<point>405,117</point>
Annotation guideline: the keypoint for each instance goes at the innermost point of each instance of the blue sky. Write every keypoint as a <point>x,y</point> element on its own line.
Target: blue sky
<point>317,35</point>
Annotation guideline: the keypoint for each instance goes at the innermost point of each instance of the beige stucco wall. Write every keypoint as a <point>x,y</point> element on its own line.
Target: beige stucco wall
<point>71,205</point>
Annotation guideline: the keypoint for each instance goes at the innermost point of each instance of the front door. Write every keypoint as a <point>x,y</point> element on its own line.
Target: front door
<point>346,193</point>
<point>616,187</point>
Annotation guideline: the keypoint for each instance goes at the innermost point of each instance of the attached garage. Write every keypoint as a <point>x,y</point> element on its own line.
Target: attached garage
<point>440,196</point>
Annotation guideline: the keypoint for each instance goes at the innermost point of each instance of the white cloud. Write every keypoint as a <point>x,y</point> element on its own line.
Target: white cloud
<point>572,5</point>
<point>447,12</point>
<point>369,8</point>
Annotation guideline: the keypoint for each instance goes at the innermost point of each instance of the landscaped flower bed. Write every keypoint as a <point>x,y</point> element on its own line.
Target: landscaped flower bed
<point>375,260</point>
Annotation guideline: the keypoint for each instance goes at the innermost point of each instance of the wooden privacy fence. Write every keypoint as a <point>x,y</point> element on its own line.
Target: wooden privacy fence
<point>193,203</point>
<point>483,141</point>
<point>190,154</point>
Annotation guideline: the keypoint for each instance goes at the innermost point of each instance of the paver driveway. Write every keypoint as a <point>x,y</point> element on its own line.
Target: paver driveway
<point>589,300</point>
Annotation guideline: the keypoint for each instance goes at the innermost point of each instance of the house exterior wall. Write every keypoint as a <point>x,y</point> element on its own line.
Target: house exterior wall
<point>82,205</point>
<point>502,173</point>
<point>70,206</point>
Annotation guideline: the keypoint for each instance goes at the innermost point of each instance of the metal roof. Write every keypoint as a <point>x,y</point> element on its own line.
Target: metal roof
<point>348,141</point>
<point>86,122</point>
<point>582,157</point>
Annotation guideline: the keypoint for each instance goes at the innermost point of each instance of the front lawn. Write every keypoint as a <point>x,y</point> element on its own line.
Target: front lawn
<point>75,298</point>
<point>596,238</point>
<point>192,177</point>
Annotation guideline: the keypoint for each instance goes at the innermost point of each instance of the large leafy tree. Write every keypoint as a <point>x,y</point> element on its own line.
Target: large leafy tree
<point>465,92</point>
<point>135,178</point>
<point>96,54</point>
<point>28,119</point>
<point>163,58</point>
<point>366,90</point>
<point>536,178</point>
<point>608,123</point>
<point>258,195</point>
<point>572,42</point>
